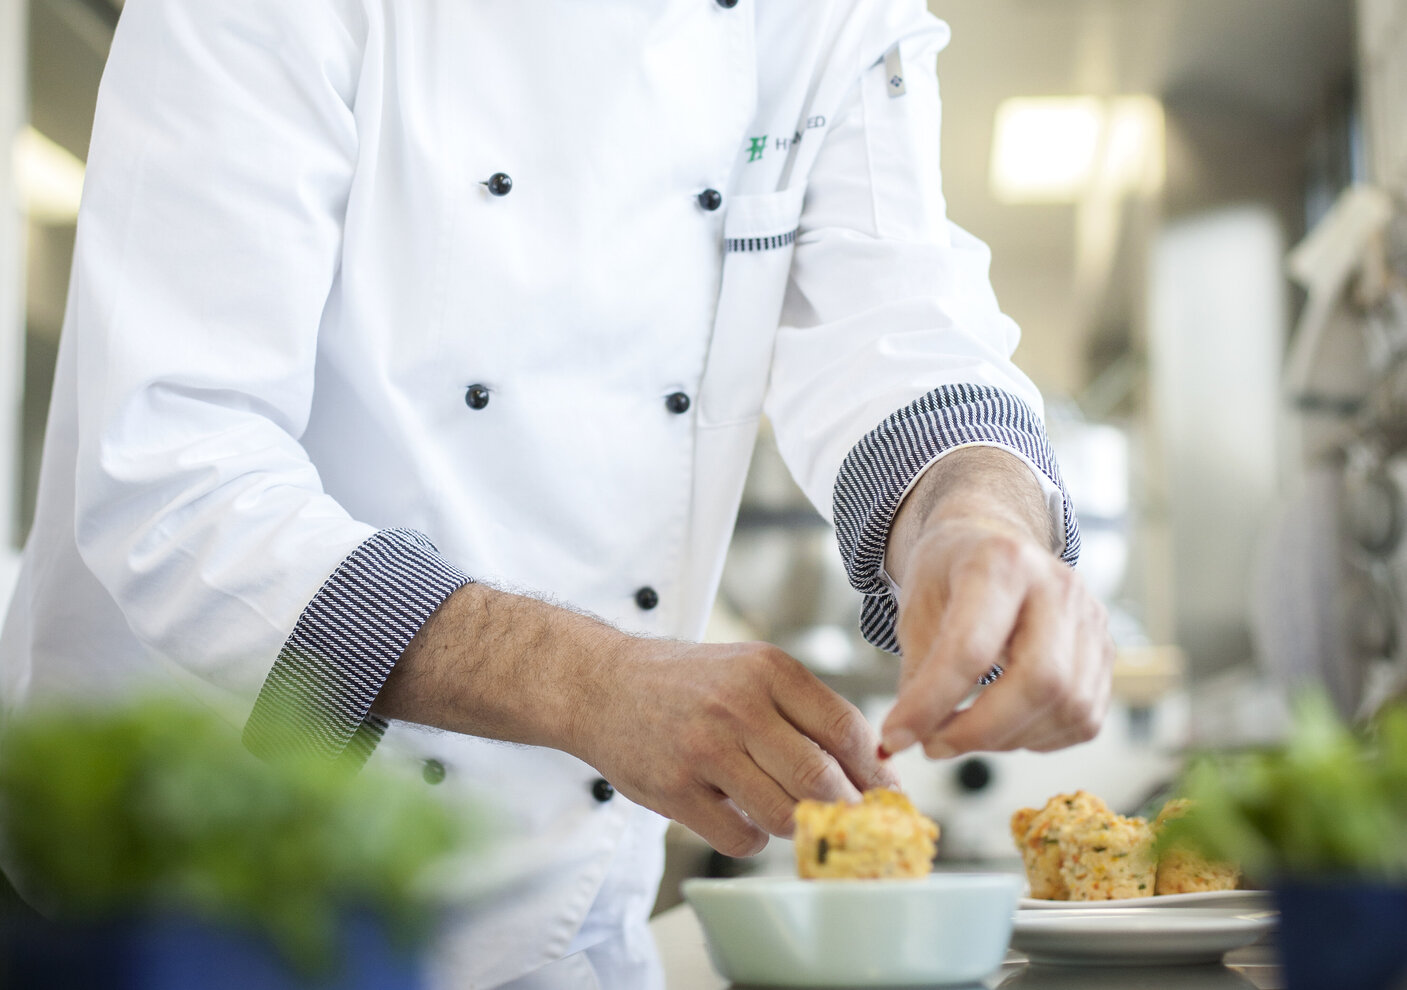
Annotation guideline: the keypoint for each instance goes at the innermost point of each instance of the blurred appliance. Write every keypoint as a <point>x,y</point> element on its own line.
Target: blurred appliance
<point>1382,28</point>
<point>784,581</point>
<point>1095,461</point>
<point>1333,602</point>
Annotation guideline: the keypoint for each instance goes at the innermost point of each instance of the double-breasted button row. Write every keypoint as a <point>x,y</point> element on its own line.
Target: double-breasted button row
<point>477,397</point>
<point>434,772</point>
<point>501,183</point>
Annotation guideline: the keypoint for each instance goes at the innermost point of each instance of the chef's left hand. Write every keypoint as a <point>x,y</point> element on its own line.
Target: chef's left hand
<point>971,551</point>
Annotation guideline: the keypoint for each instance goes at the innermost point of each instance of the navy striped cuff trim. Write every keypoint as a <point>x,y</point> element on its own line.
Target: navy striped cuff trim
<point>880,468</point>
<point>760,243</point>
<point>317,698</point>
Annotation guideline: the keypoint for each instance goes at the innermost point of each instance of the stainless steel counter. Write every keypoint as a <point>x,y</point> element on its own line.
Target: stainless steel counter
<point>686,967</point>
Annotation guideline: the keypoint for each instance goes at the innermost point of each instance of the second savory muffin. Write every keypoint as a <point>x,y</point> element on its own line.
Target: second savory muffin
<point>881,836</point>
<point>1037,835</point>
<point>1182,871</point>
<point>1108,857</point>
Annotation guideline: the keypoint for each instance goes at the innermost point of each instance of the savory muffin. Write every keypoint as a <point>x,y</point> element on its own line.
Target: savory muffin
<point>1182,871</point>
<point>1037,835</point>
<point>1107,857</point>
<point>881,836</point>
<point>1076,849</point>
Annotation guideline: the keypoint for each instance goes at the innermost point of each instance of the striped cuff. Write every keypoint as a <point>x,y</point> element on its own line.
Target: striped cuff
<point>317,698</point>
<point>879,469</point>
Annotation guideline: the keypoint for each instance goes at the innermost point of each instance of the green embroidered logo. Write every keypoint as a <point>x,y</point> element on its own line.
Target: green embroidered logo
<point>756,148</point>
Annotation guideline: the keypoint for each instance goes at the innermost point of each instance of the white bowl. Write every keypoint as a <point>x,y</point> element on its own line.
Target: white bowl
<point>947,928</point>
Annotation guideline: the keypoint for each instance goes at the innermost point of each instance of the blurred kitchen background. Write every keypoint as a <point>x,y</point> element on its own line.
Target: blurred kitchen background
<point>1198,215</point>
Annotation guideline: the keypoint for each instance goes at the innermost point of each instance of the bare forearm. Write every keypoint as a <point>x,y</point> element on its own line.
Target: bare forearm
<point>725,738</point>
<point>977,483</point>
<point>502,666</point>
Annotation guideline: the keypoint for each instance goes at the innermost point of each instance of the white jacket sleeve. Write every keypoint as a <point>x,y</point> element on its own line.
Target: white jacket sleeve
<point>208,242</point>
<point>892,350</point>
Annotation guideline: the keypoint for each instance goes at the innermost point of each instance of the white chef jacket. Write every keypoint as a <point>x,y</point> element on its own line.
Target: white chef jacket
<point>318,369</point>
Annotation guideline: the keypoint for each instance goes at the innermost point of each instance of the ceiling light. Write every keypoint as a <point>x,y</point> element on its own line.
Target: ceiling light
<point>1062,149</point>
<point>49,178</point>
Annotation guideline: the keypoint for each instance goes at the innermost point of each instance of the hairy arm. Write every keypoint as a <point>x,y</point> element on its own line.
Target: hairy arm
<point>974,483</point>
<point>724,738</point>
<point>490,663</point>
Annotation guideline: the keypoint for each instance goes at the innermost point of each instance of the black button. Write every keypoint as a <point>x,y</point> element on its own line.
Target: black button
<point>477,397</point>
<point>602,790</point>
<point>500,184</point>
<point>710,199</point>
<point>647,598</point>
<point>677,402</point>
<point>974,774</point>
<point>433,771</point>
<point>727,4</point>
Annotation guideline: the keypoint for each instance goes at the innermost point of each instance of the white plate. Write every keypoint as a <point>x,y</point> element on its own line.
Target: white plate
<point>1238,900</point>
<point>1149,937</point>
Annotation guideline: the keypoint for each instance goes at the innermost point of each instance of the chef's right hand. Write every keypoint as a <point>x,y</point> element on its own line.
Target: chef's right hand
<point>725,738</point>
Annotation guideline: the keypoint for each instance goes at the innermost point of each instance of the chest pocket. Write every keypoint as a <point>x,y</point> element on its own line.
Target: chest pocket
<point>759,237</point>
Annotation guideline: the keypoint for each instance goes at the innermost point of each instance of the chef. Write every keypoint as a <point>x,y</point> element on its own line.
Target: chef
<point>413,360</point>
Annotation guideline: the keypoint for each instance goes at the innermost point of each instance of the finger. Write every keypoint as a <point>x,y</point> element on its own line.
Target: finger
<point>1026,703</point>
<point>889,776</point>
<point>921,607</point>
<point>1064,737</point>
<point>1083,715</point>
<point>835,725</point>
<point>766,800</point>
<point>1095,635</point>
<point>1099,684</point>
<point>718,822</point>
<point>972,636</point>
<point>1006,705</point>
<point>800,767</point>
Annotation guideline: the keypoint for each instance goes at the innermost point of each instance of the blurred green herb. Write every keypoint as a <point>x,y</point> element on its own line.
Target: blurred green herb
<point>1329,802</point>
<point>158,807</point>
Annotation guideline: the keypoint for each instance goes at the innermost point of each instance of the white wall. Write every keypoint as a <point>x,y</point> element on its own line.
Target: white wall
<point>1216,336</point>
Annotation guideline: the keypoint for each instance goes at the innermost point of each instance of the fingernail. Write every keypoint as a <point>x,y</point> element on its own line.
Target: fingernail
<point>883,753</point>
<point>938,750</point>
<point>896,741</point>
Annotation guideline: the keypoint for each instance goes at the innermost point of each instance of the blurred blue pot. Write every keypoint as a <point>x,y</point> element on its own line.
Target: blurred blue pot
<point>169,953</point>
<point>1343,935</point>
